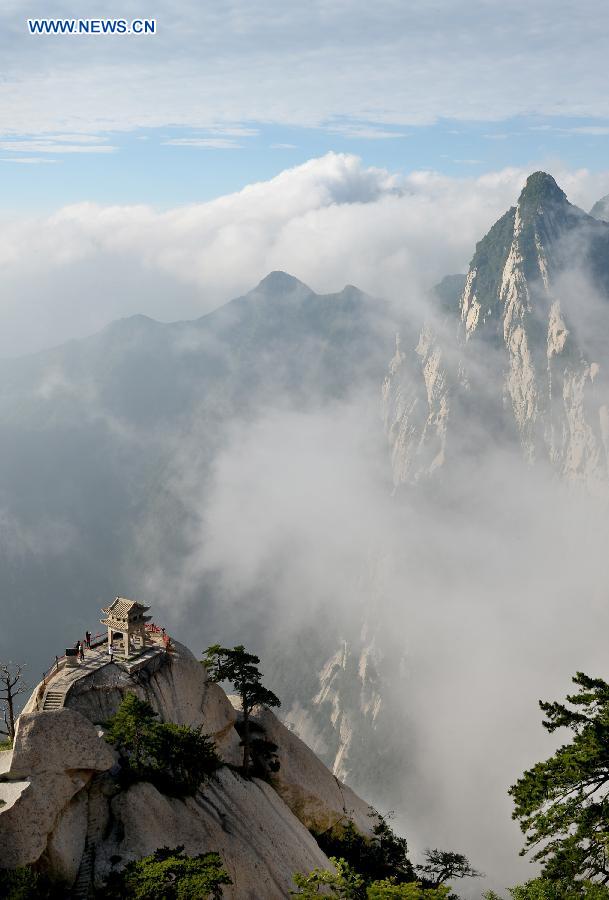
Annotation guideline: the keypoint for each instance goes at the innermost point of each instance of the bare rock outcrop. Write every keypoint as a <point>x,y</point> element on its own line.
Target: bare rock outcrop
<point>59,798</point>
<point>315,796</point>
<point>54,757</point>
<point>517,353</point>
<point>58,742</point>
<point>177,688</point>
<point>259,839</point>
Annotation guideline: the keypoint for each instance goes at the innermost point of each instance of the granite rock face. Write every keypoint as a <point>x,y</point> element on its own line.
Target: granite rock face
<point>315,796</point>
<point>178,690</point>
<point>259,839</point>
<point>58,742</point>
<point>54,757</point>
<point>57,790</point>
<point>518,354</point>
<point>66,842</point>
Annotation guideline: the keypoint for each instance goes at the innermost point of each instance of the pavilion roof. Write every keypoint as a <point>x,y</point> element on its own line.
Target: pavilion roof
<point>122,608</point>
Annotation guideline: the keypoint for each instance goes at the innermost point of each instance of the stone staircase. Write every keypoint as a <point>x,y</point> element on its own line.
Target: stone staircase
<point>96,822</point>
<point>53,699</point>
<point>82,885</point>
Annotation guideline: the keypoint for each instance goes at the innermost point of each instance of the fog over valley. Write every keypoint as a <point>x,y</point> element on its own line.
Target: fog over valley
<point>410,533</point>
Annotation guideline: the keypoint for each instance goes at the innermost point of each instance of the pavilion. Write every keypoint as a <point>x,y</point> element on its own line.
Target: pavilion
<point>127,618</point>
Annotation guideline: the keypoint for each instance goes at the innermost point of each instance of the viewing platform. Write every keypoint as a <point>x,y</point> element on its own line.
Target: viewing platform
<point>152,642</point>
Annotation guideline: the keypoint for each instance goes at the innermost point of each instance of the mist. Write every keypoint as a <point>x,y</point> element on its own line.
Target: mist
<point>268,515</point>
<point>330,221</point>
<point>480,597</point>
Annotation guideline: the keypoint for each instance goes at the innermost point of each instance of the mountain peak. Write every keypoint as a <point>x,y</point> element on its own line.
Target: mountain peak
<point>279,281</point>
<point>600,210</point>
<point>540,188</point>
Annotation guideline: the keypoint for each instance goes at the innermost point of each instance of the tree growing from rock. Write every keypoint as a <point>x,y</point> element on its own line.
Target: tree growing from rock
<point>388,890</point>
<point>383,855</point>
<point>377,867</point>
<point>175,758</point>
<point>240,668</point>
<point>11,685</point>
<point>25,883</point>
<point>562,804</point>
<point>345,883</point>
<point>168,874</point>
<point>543,889</point>
<point>441,866</point>
<point>130,731</point>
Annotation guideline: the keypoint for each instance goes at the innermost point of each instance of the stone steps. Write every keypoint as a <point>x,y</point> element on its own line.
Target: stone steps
<point>53,700</point>
<point>82,885</point>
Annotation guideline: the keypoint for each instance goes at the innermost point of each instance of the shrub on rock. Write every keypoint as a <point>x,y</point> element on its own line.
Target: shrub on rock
<point>175,758</point>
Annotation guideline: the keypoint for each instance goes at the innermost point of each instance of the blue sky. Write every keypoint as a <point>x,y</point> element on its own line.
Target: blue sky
<point>227,94</point>
<point>339,140</point>
<point>169,166</point>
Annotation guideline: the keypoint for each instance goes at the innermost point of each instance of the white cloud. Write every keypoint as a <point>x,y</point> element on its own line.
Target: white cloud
<point>473,586</point>
<point>367,133</point>
<point>209,143</point>
<point>56,146</point>
<point>260,61</point>
<point>234,131</point>
<point>27,160</point>
<point>329,221</point>
<point>592,130</point>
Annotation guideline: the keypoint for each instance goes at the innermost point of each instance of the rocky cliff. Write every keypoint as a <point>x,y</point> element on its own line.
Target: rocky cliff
<point>63,810</point>
<point>517,355</point>
<point>346,707</point>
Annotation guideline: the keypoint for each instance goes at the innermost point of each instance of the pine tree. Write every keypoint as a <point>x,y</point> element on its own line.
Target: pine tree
<point>562,804</point>
<point>241,669</point>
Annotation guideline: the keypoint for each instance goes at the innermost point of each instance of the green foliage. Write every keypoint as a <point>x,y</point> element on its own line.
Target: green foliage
<point>445,865</point>
<point>24,883</point>
<point>562,803</point>
<point>241,669</point>
<point>388,890</point>
<point>346,883</point>
<point>6,744</point>
<point>168,875</point>
<point>383,865</point>
<point>543,889</point>
<point>175,758</point>
<point>184,758</point>
<point>130,730</point>
<point>265,761</point>
<point>385,855</point>
<point>343,883</point>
